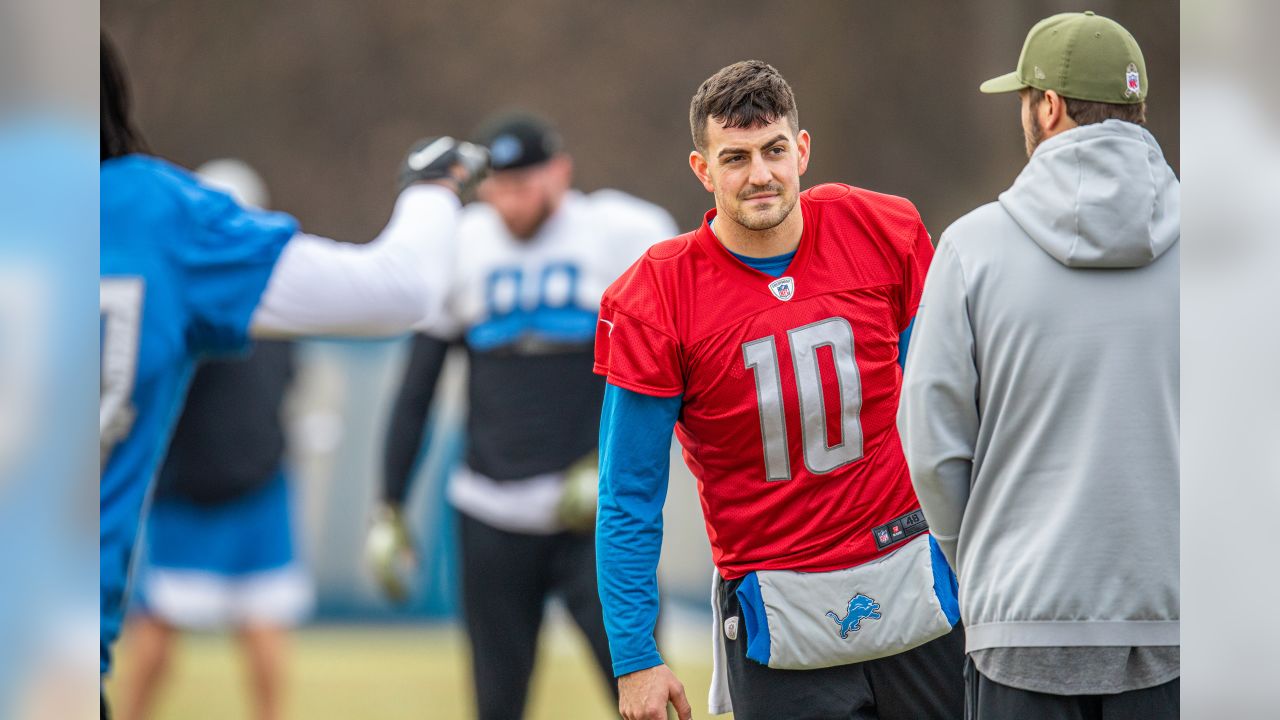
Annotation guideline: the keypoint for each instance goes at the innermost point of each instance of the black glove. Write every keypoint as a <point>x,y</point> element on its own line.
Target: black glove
<point>462,164</point>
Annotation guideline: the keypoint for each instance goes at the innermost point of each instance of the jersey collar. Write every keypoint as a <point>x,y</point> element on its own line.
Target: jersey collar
<point>749,276</point>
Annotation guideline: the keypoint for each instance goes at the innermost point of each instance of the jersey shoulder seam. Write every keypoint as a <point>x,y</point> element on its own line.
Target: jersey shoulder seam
<point>646,323</point>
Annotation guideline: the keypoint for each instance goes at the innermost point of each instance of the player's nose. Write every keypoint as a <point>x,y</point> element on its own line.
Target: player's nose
<point>760,174</point>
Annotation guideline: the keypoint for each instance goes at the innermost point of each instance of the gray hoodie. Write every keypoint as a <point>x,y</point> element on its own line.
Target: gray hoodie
<point>1039,410</point>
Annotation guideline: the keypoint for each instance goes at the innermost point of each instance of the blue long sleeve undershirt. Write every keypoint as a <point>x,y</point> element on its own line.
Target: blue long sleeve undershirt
<point>773,266</point>
<point>635,458</point>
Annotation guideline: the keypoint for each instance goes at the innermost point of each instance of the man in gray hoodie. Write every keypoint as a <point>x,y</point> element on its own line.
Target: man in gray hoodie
<point>1039,409</point>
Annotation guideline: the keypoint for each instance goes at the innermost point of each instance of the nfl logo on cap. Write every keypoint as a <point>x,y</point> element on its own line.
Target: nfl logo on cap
<point>783,288</point>
<point>1131,86</point>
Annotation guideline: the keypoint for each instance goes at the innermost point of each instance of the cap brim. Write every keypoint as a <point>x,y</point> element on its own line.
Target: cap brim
<point>1003,84</point>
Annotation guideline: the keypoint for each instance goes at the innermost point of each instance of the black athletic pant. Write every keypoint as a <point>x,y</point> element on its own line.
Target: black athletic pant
<point>506,579</point>
<point>989,700</point>
<point>926,683</point>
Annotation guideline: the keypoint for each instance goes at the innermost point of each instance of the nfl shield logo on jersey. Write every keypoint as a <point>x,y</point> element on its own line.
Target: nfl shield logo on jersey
<point>783,288</point>
<point>1131,86</point>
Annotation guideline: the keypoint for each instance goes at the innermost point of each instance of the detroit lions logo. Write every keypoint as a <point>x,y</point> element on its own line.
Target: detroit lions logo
<point>860,607</point>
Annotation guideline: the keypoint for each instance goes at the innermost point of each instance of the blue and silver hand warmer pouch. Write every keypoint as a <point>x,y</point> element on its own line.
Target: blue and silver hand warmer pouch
<point>805,621</point>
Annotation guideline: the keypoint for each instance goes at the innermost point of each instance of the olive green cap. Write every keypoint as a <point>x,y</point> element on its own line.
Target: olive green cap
<point>1079,55</point>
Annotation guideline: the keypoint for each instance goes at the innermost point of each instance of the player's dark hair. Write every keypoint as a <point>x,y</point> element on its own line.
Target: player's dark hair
<point>745,94</point>
<point>119,136</point>
<point>1088,112</point>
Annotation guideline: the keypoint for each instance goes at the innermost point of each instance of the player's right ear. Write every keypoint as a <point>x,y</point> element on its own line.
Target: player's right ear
<point>802,149</point>
<point>702,170</point>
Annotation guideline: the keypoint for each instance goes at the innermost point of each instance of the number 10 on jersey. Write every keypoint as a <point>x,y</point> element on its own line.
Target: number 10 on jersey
<point>761,357</point>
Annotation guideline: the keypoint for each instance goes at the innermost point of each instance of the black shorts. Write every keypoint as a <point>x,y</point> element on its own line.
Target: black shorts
<point>925,683</point>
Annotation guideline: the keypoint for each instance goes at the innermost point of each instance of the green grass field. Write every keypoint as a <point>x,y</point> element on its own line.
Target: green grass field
<point>401,672</point>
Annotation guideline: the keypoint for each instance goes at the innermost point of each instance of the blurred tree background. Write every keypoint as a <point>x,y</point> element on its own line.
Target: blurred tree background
<point>323,98</point>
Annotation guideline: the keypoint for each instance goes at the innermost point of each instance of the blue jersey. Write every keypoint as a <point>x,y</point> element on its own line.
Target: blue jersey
<point>182,269</point>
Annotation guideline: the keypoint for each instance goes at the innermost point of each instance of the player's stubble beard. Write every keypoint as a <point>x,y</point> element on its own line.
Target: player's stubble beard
<point>528,230</point>
<point>768,219</point>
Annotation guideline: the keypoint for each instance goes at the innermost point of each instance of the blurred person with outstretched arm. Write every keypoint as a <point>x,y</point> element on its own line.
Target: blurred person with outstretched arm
<point>186,273</point>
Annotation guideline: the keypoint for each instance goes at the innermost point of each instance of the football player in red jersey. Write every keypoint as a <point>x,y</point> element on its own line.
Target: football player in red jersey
<point>770,339</point>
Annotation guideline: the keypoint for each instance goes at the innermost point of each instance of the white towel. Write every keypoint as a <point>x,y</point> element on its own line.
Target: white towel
<point>718,700</point>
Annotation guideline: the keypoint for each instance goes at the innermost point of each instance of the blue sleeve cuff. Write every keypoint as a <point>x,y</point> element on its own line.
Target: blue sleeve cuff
<point>648,660</point>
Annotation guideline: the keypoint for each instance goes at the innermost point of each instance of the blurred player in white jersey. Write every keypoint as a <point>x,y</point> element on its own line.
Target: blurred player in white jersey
<point>533,259</point>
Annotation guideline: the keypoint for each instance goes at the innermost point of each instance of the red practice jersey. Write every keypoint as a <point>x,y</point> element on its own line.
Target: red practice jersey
<point>790,385</point>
